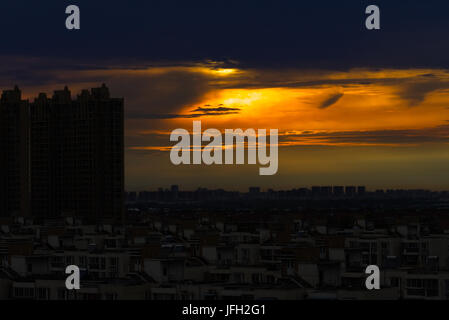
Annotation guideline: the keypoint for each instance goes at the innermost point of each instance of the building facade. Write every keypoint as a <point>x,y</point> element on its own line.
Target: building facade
<point>69,152</point>
<point>14,156</point>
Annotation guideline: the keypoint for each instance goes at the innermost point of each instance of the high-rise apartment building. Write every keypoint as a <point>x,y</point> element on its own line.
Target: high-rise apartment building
<point>76,155</point>
<point>14,154</point>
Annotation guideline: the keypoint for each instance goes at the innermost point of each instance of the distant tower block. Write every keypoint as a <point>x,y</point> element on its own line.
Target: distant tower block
<point>339,190</point>
<point>350,190</point>
<point>361,190</point>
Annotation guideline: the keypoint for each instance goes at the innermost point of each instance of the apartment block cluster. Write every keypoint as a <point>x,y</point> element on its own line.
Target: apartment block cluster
<point>168,253</point>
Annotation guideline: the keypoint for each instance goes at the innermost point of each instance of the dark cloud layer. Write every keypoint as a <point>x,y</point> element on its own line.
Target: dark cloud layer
<point>285,33</point>
<point>438,134</point>
<point>331,100</point>
<point>217,109</point>
<point>416,91</point>
<point>196,113</point>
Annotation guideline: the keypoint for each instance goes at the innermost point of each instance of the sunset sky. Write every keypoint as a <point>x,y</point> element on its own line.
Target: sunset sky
<point>352,107</point>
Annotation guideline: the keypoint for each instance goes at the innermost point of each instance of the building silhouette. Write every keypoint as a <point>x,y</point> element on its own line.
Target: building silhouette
<point>14,155</point>
<point>74,158</point>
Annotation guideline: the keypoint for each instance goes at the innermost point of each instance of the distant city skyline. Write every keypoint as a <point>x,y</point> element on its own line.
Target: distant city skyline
<point>331,189</point>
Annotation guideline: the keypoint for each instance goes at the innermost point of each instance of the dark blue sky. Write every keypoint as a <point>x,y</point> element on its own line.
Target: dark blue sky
<point>310,34</point>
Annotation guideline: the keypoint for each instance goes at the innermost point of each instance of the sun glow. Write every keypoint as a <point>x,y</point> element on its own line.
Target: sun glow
<point>224,71</point>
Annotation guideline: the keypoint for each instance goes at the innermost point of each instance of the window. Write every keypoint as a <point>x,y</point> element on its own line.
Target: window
<point>255,277</point>
<point>446,285</point>
<point>431,287</point>
<point>110,296</point>
<point>24,292</point>
<point>423,287</point>
<point>394,282</point>
<point>62,294</point>
<point>69,260</point>
<point>43,293</point>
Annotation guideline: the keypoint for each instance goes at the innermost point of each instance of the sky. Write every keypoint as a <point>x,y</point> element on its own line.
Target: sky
<point>352,106</point>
